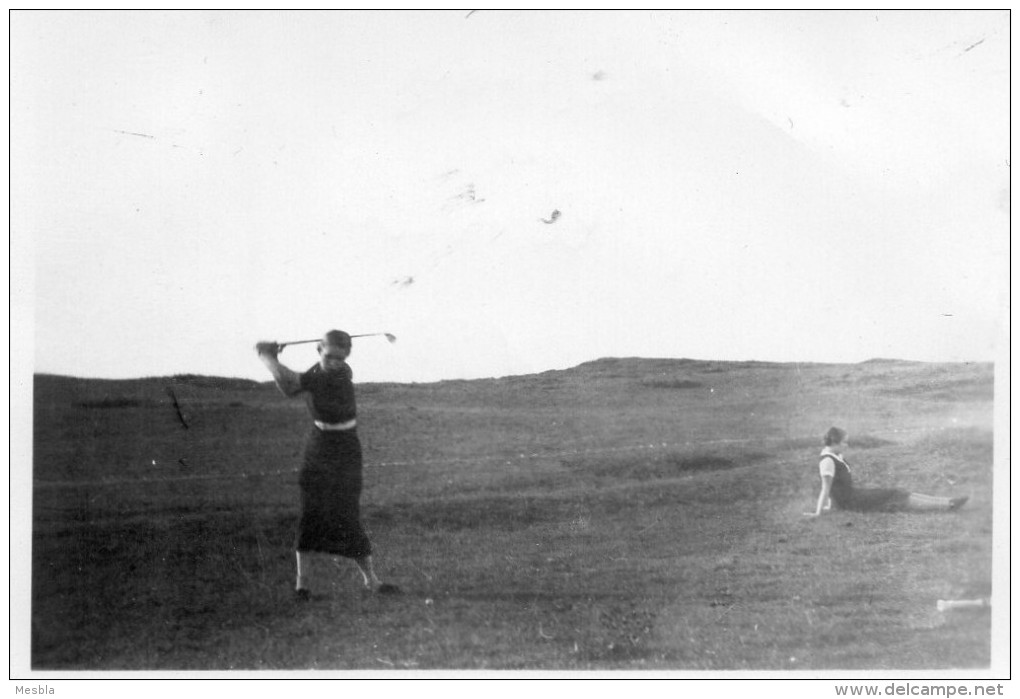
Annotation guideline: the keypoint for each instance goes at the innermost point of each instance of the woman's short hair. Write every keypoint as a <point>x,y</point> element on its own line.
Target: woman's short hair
<point>834,436</point>
<point>338,338</point>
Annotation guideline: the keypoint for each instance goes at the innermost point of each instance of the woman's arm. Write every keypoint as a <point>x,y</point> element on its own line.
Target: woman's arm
<point>823,497</point>
<point>287,380</point>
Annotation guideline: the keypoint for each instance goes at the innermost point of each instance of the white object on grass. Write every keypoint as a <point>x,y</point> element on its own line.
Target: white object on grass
<point>944,605</point>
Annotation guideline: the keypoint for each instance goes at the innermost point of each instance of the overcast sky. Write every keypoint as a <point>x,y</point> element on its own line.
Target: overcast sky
<point>791,186</point>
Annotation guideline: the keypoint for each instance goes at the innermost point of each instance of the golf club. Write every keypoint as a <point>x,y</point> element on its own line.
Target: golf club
<point>389,336</point>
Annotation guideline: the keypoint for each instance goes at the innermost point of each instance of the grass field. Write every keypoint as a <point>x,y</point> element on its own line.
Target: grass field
<point>627,514</point>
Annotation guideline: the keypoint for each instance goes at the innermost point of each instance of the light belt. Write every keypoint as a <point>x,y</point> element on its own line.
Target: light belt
<point>335,426</point>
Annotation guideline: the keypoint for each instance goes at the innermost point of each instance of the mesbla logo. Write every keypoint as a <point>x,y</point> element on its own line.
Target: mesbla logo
<point>39,689</point>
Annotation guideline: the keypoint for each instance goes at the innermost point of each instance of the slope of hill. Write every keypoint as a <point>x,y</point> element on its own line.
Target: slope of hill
<point>626,513</point>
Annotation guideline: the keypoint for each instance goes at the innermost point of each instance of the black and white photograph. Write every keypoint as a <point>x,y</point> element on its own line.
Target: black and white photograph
<point>510,345</point>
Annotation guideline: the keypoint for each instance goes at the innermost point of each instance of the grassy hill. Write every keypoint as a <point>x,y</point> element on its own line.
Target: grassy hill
<point>623,514</point>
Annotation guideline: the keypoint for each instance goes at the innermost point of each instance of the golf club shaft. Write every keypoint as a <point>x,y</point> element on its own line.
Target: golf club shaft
<point>389,336</point>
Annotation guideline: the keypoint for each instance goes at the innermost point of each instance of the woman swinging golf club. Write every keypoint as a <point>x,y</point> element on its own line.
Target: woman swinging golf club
<point>331,475</point>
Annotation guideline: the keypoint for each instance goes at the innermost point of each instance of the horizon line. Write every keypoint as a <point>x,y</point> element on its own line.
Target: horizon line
<point>872,360</point>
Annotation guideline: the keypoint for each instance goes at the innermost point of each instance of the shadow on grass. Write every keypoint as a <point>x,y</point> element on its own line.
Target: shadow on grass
<point>671,383</point>
<point>662,465</point>
<point>507,513</point>
<point>119,402</point>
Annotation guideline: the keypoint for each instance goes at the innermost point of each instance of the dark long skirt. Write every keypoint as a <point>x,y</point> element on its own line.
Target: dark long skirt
<point>331,495</point>
<point>874,500</point>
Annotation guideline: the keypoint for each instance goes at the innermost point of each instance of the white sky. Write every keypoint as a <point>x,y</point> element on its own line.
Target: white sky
<point>810,186</point>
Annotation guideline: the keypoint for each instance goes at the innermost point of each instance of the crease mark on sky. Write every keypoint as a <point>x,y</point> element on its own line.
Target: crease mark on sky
<point>978,43</point>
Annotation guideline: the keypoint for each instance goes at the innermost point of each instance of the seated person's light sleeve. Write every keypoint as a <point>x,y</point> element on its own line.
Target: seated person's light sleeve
<point>827,467</point>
